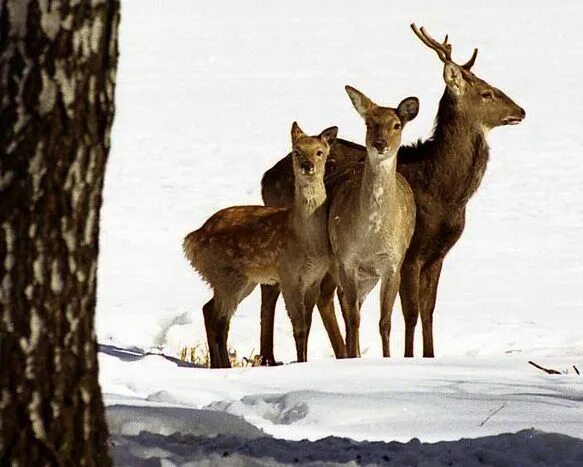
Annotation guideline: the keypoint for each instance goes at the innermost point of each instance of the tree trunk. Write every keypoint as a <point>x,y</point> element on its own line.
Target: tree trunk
<point>58,61</point>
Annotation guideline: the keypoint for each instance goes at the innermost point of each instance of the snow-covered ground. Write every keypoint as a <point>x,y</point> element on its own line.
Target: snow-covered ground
<point>370,399</point>
<point>524,449</point>
<point>150,398</point>
<point>206,95</point>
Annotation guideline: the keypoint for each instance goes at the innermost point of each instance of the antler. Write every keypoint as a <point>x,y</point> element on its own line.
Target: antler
<point>470,63</point>
<point>443,49</point>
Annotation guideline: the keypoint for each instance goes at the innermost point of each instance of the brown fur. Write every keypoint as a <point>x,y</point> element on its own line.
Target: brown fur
<point>242,246</point>
<point>371,220</point>
<point>443,172</point>
<point>250,237</point>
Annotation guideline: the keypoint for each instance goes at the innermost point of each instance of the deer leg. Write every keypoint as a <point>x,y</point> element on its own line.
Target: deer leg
<point>409,290</point>
<point>222,334</point>
<point>294,297</point>
<point>217,329</point>
<point>216,318</point>
<point>326,307</point>
<point>429,281</point>
<point>350,304</point>
<point>389,289</point>
<point>309,303</point>
<point>269,296</point>
<point>210,324</point>
<point>225,303</point>
<point>343,308</point>
<point>300,329</point>
<point>347,319</point>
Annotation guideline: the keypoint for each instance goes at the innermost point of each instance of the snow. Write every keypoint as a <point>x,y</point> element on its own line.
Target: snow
<point>205,98</point>
<point>386,399</point>
<point>526,448</point>
<point>187,413</point>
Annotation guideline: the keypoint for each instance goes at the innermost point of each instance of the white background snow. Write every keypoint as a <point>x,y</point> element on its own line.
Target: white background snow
<point>206,95</point>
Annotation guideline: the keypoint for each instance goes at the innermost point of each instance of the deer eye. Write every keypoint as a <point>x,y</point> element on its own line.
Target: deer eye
<point>295,153</point>
<point>319,153</point>
<point>489,95</point>
<point>397,126</point>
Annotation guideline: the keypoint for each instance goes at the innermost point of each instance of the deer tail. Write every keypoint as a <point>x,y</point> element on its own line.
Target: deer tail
<point>191,249</point>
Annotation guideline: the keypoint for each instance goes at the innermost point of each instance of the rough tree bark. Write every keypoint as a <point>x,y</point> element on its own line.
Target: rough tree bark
<point>58,61</point>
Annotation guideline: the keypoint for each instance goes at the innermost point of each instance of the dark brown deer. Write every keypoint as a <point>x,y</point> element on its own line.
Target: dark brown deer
<point>242,246</point>
<point>444,171</point>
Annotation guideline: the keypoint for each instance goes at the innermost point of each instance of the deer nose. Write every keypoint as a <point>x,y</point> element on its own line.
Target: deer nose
<point>522,113</point>
<point>380,144</point>
<point>307,167</point>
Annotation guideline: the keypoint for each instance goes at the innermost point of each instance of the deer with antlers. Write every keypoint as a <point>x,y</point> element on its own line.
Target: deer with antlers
<point>443,171</point>
<point>242,246</point>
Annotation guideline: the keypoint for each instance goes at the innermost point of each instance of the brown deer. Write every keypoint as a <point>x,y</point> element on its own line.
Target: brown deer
<point>443,171</point>
<point>242,246</point>
<point>372,217</point>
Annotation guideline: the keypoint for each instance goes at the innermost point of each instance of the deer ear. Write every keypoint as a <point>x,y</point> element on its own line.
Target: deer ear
<point>408,109</point>
<point>329,135</point>
<point>452,74</point>
<point>296,131</point>
<point>361,103</point>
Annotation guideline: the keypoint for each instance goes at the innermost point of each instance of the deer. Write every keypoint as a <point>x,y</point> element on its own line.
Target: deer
<point>242,246</point>
<point>444,172</point>
<point>372,218</point>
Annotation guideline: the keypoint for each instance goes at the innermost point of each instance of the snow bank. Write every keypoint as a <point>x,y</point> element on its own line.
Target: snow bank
<point>370,399</point>
<point>189,437</point>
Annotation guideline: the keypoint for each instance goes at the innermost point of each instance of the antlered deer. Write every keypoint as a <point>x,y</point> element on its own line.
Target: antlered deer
<point>242,246</point>
<point>449,171</point>
<point>372,217</point>
<point>444,171</point>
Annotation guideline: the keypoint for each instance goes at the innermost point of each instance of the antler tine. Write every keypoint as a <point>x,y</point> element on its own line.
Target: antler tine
<point>443,50</point>
<point>421,36</point>
<point>470,63</point>
<point>445,47</point>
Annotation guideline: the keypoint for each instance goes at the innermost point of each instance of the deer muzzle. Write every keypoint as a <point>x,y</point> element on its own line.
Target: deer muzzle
<point>381,145</point>
<point>307,168</point>
<point>515,119</point>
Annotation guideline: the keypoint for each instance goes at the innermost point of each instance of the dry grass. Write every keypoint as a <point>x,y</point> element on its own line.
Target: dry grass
<point>199,355</point>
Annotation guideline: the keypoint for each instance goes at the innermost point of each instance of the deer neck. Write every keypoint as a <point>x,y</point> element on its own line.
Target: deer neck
<point>460,153</point>
<point>378,189</point>
<point>457,137</point>
<point>309,209</point>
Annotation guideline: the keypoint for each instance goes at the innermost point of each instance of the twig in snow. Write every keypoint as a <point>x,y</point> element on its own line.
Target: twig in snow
<point>548,371</point>
<point>492,414</point>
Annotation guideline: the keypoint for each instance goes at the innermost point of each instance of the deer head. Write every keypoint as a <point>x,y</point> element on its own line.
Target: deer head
<point>482,103</point>
<point>384,125</point>
<point>310,152</point>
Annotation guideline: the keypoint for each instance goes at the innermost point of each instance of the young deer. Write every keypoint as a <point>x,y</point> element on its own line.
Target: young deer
<point>444,172</point>
<point>372,217</point>
<point>242,246</point>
